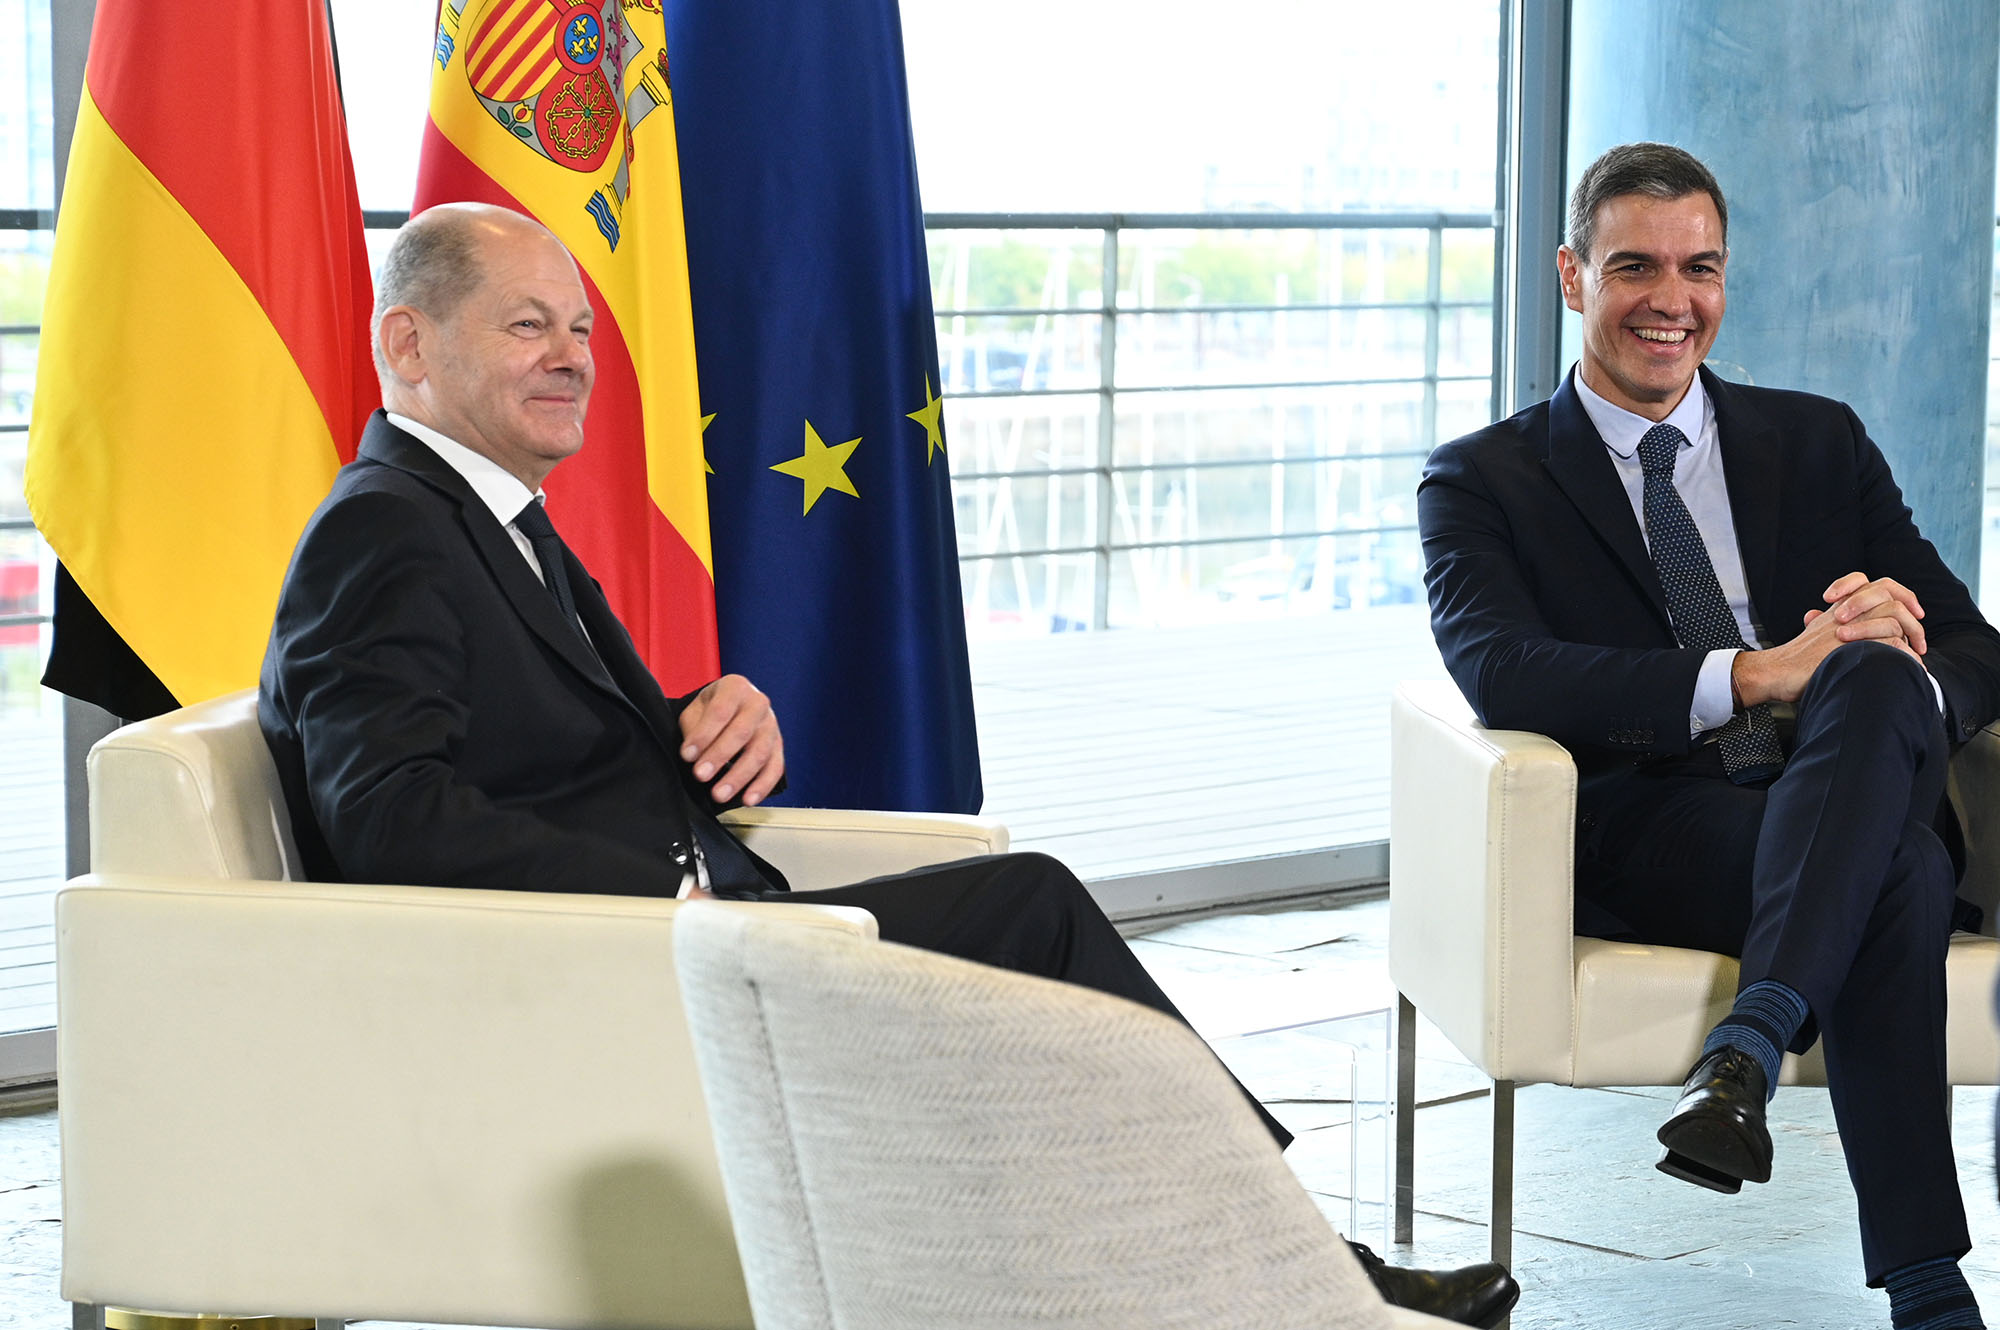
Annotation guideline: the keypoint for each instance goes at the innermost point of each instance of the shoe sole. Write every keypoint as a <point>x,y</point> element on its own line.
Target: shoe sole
<point>1712,1154</point>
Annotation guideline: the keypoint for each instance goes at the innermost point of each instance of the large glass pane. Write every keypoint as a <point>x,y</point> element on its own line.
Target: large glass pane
<point>1281,346</point>
<point>1205,503</point>
<point>1157,427</point>
<point>1272,267</point>
<point>1260,579</point>
<point>1175,106</point>
<point>977,269</point>
<point>385,79</point>
<point>984,435</point>
<point>983,353</point>
<point>1028,596</point>
<point>1025,512</point>
<point>31,782</point>
<point>27,107</point>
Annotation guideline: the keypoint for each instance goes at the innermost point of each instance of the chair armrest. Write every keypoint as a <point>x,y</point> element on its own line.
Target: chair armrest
<point>832,847</point>
<point>377,1102</point>
<point>1481,915</point>
<point>1975,790</point>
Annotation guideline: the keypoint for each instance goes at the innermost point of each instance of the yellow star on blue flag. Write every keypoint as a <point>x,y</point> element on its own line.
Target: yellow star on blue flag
<point>821,467</point>
<point>931,416</point>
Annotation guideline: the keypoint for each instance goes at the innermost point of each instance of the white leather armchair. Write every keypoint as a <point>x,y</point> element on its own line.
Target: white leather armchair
<point>1481,941</point>
<point>389,1102</point>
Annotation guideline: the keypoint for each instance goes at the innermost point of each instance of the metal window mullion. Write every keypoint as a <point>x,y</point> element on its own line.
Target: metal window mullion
<point>1232,386</point>
<point>1433,319</point>
<point>1197,464</point>
<point>1107,425</point>
<point>1233,538</point>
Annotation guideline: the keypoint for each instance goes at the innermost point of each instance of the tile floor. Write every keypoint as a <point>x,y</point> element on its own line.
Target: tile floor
<point>1602,1240</point>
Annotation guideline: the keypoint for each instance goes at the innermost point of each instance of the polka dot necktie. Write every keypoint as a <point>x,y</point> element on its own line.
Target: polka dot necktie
<point>1702,619</point>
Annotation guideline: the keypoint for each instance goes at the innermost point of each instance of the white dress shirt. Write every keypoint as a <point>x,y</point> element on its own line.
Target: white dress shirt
<point>497,487</point>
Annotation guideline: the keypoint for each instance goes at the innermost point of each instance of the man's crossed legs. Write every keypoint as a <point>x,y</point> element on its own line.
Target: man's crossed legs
<point>1832,885</point>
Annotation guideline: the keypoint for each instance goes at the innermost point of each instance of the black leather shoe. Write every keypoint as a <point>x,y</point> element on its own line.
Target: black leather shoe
<point>1476,1295</point>
<point>1716,1136</point>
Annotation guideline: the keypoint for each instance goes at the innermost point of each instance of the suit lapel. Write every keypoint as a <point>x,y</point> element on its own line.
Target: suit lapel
<point>1753,467</point>
<point>628,673</point>
<point>382,442</point>
<point>1582,469</point>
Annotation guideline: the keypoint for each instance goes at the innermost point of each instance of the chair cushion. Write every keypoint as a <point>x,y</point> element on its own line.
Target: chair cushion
<point>1643,1010</point>
<point>193,793</point>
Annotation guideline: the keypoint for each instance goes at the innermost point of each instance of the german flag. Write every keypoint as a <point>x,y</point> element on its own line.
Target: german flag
<point>204,358</point>
<point>563,111</point>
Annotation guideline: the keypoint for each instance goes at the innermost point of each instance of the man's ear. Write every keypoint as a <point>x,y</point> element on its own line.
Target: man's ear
<point>403,334</point>
<point>1570,270</point>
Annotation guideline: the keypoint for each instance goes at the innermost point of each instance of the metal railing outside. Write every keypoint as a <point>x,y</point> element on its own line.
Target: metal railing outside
<point>1107,484</point>
<point>1110,490</point>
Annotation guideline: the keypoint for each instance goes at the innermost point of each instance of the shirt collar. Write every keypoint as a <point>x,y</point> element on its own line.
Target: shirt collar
<point>498,488</point>
<point>1621,430</point>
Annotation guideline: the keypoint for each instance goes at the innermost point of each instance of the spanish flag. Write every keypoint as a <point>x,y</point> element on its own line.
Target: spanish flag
<point>563,111</point>
<point>204,356</point>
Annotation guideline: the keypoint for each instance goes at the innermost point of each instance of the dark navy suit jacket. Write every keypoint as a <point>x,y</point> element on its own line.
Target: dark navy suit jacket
<point>1549,614</point>
<point>435,720</point>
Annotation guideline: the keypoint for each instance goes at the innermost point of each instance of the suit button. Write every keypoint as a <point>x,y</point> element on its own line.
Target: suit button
<point>681,853</point>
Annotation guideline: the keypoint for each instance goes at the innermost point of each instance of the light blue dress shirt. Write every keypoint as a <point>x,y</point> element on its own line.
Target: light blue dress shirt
<point>1704,489</point>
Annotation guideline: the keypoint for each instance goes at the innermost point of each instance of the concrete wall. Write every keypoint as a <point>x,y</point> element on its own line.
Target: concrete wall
<point>1854,141</point>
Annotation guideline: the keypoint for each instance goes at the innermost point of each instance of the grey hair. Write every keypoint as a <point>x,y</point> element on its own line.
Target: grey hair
<point>1658,170</point>
<point>432,265</point>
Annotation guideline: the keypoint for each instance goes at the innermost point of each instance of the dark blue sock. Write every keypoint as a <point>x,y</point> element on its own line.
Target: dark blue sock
<point>1766,1017</point>
<point>1931,1295</point>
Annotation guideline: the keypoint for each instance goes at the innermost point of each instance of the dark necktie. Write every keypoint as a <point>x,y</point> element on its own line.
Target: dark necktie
<point>726,866</point>
<point>534,523</point>
<point>1702,619</point>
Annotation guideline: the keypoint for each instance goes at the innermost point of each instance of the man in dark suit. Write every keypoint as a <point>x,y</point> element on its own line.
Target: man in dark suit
<point>450,701</point>
<point>1715,597</point>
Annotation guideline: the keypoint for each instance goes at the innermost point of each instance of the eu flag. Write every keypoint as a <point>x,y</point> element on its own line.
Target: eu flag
<point>836,564</point>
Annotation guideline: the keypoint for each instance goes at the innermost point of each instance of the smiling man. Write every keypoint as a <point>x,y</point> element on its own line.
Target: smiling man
<point>1714,596</point>
<point>450,701</point>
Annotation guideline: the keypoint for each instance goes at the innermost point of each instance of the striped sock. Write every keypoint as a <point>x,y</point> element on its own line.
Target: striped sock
<point>1931,1295</point>
<point>1764,1020</point>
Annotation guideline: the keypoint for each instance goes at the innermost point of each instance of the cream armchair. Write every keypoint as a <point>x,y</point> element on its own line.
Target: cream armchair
<point>1481,824</point>
<point>389,1102</point>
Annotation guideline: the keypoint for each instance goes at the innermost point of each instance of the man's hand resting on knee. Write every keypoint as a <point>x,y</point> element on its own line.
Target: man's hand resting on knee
<point>731,740</point>
<point>1859,609</point>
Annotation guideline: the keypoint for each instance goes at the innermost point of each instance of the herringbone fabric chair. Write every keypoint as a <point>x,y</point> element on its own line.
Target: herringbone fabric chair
<point>909,1140</point>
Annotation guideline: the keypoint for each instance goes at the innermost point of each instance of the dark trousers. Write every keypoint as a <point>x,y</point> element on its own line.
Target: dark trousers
<point>1023,912</point>
<point>1830,879</point>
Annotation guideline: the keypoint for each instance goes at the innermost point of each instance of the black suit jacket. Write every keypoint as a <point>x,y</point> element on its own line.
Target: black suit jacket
<point>1549,614</point>
<point>435,720</point>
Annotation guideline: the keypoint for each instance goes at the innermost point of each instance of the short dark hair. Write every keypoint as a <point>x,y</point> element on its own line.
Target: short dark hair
<point>432,265</point>
<point>1658,170</point>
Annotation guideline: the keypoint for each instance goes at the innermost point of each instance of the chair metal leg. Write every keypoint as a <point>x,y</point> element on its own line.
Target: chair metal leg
<point>1406,1118</point>
<point>1502,1216</point>
<point>86,1316</point>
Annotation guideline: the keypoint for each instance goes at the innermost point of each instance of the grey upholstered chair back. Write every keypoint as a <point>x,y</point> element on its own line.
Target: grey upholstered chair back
<point>909,1140</point>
